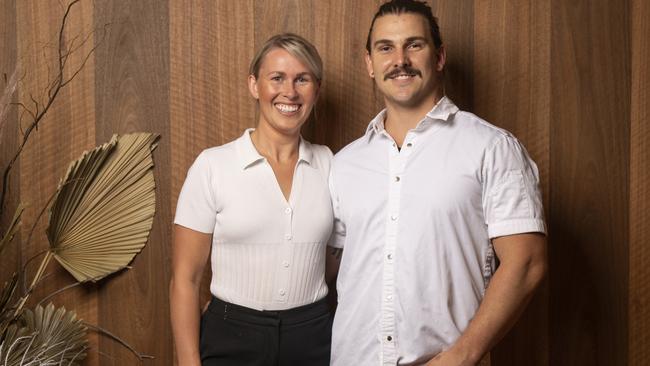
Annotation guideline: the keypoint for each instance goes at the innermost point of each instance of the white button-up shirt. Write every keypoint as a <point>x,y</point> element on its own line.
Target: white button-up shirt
<point>416,226</point>
<point>267,253</point>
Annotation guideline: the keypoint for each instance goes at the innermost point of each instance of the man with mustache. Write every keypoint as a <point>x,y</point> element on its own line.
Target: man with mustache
<point>425,203</point>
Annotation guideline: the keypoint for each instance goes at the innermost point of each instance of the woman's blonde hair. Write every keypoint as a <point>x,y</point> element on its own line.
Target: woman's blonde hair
<point>297,46</point>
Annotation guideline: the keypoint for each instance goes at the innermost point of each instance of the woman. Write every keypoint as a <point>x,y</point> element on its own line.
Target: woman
<point>262,205</point>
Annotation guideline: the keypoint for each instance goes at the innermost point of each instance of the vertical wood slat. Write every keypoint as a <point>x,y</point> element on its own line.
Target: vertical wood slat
<point>209,100</point>
<point>639,286</point>
<point>347,102</point>
<point>132,94</point>
<point>511,83</point>
<point>10,259</point>
<point>65,132</point>
<point>589,175</point>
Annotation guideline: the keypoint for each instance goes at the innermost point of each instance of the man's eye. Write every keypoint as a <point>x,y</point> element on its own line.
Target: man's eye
<point>384,48</point>
<point>415,46</point>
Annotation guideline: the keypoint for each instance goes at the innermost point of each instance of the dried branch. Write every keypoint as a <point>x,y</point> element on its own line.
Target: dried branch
<point>54,87</point>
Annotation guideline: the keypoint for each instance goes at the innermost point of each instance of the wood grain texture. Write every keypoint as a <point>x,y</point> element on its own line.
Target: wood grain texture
<point>511,83</point>
<point>590,90</point>
<point>347,101</point>
<point>179,68</point>
<point>132,94</point>
<point>457,21</point>
<point>10,259</point>
<point>209,100</point>
<point>65,132</point>
<point>639,286</point>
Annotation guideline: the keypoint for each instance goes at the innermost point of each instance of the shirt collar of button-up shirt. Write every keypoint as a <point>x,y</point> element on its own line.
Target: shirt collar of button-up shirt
<point>439,113</point>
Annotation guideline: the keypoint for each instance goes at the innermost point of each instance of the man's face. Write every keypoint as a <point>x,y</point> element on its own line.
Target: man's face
<point>404,61</point>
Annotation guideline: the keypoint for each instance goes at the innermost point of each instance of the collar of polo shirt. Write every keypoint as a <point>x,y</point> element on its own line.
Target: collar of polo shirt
<point>248,154</point>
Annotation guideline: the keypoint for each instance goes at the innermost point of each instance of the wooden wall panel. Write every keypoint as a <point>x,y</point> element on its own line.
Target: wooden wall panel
<point>590,113</point>
<point>511,81</point>
<point>209,99</point>
<point>639,286</point>
<point>132,94</point>
<point>457,21</point>
<point>179,68</point>
<point>10,260</point>
<point>347,101</point>
<point>65,132</point>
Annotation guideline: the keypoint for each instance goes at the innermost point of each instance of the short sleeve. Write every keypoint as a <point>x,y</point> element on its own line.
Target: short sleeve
<point>196,207</point>
<point>512,202</point>
<point>337,239</point>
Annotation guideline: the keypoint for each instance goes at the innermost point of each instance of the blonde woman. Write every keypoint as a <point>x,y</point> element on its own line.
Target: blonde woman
<point>262,205</point>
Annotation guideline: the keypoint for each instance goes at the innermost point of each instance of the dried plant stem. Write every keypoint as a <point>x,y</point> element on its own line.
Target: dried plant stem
<point>37,276</point>
<point>119,340</point>
<point>58,292</point>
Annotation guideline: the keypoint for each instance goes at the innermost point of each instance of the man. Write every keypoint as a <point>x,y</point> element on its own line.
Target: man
<point>424,202</point>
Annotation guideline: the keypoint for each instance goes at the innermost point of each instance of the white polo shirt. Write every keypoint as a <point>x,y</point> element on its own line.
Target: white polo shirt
<point>267,253</point>
<point>416,226</point>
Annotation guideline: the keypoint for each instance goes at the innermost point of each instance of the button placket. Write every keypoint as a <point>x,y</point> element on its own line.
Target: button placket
<point>284,259</point>
<point>387,321</point>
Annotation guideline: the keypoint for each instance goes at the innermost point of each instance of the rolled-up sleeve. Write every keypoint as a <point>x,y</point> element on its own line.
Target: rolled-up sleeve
<point>196,207</point>
<point>512,200</point>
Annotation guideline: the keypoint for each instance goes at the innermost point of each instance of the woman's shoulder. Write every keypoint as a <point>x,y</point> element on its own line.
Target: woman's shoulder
<point>320,152</point>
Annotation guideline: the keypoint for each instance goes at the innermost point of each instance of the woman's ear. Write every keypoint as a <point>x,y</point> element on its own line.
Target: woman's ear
<point>252,86</point>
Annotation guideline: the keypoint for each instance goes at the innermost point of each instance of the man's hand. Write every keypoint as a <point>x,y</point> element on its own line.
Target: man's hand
<point>449,358</point>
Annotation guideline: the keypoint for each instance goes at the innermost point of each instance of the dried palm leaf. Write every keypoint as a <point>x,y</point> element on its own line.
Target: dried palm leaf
<point>47,336</point>
<point>5,297</point>
<point>103,210</point>
<point>13,228</point>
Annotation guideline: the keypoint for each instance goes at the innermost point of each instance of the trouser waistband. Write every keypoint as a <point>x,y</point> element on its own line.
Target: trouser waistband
<point>270,317</point>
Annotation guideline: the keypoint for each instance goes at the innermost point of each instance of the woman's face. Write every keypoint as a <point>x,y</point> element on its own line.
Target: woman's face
<point>286,90</point>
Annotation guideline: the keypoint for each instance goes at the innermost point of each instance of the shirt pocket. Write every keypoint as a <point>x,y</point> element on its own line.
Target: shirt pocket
<point>510,199</point>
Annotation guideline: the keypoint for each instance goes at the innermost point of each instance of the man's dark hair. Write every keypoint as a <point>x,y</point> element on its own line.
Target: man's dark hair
<point>398,7</point>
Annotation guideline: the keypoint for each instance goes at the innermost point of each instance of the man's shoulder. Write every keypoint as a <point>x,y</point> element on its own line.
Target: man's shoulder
<point>351,150</point>
<point>478,130</point>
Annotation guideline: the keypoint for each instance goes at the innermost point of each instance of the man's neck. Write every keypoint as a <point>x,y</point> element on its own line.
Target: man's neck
<point>400,119</point>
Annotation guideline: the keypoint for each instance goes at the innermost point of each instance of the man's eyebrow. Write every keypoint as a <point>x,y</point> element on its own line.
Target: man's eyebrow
<point>416,38</point>
<point>382,41</point>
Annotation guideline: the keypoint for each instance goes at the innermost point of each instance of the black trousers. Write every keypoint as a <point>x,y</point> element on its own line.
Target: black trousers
<point>239,336</point>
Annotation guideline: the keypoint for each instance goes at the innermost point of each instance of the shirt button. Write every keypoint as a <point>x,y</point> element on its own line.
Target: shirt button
<point>285,264</point>
<point>393,217</point>
<point>287,210</point>
<point>389,256</point>
<point>282,292</point>
<point>397,178</point>
<point>389,297</point>
<point>389,338</point>
<point>288,236</point>
<point>409,144</point>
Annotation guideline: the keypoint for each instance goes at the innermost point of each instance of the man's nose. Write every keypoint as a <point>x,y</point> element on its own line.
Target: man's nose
<point>401,58</point>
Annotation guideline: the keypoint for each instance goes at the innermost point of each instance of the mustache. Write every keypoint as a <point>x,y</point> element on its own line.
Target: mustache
<point>403,70</point>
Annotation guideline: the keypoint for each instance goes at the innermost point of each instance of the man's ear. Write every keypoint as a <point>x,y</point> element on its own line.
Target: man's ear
<point>442,58</point>
<point>252,86</point>
<point>371,72</point>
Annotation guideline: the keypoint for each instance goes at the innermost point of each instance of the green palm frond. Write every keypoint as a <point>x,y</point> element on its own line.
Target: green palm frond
<point>103,211</point>
<point>13,228</point>
<point>46,336</point>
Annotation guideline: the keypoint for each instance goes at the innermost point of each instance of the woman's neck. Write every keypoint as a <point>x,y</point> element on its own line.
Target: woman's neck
<point>274,145</point>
